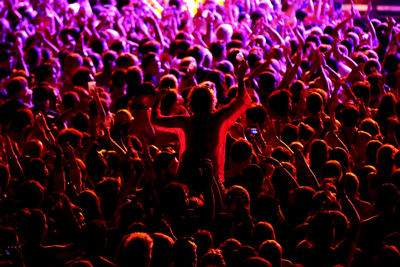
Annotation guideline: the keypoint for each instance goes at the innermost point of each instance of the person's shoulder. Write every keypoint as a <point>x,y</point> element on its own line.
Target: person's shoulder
<point>102,262</point>
<point>371,221</point>
<point>180,116</point>
<point>12,103</point>
<point>51,250</point>
<point>364,136</point>
<point>363,203</point>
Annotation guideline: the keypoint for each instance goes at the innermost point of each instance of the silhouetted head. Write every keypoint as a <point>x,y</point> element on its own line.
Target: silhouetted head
<point>135,250</point>
<point>202,99</point>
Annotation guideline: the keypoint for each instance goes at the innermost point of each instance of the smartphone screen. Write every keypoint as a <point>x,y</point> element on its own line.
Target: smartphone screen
<point>92,86</point>
<point>253,130</point>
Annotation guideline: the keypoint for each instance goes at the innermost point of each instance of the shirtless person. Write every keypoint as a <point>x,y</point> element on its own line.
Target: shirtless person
<point>203,133</point>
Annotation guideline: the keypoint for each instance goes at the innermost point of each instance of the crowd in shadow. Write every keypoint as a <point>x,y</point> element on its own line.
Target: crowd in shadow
<point>198,133</point>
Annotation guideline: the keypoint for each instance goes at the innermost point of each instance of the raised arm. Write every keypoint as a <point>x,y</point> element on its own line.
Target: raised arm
<point>20,62</point>
<point>241,70</point>
<point>75,174</point>
<point>12,159</point>
<point>279,166</point>
<point>348,209</point>
<point>242,99</point>
<point>157,30</point>
<point>372,33</point>
<point>121,151</point>
<point>160,120</point>
<point>291,72</point>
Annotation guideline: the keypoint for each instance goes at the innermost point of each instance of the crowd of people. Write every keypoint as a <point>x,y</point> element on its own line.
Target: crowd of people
<point>198,133</point>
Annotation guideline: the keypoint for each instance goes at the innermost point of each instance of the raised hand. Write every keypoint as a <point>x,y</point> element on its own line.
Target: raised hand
<point>241,67</point>
<point>208,16</point>
<point>68,151</point>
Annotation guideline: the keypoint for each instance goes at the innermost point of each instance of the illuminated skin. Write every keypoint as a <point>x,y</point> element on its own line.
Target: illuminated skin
<point>203,134</point>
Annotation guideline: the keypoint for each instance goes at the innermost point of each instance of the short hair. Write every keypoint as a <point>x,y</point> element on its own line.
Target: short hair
<point>372,149</point>
<point>70,135</point>
<point>99,45</point>
<point>44,71</point>
<point>217,49</point>
<point>70,99</point>
<point>169,100</point>
<point>289,133</point>
<point>256,113</point>
<point>168,81</point>
<point>314,102</point>
<point>146,59</point>
<point>263,231</point>
<point>313,38</point>
<point>134,77</point>
<point>151,46</point>
<point>41,92</point>
<point>241,150</point>
<point>362,90</point>
<point>126,60</point>
<point>81,122</point>
<point>349,115</point>
<point>331,169</point>
<point>135,249</point>
<point>146,88</point>
<point>370,126</point>
<point>352,183</point>
<point>255,55</point>
<point>239,195</point>
<point>359,57</point>
<point>224,32</point>
<point>197,52</point>
<point>341,155</point>
<point>21,119</point>
<point>16,85</point>
<point>33,55</point>
<point>118,77</point>
<point>81,77</point>
<point>305,131</point>
<point>391,63</point>
<point>225,66</point>
<point>326,39</point>
<point>371,66</point>
<point>73,58</point>
<point>213,257</point>
<point>162,248</point>
<point>184,252</point>
<point>271,251</point>
<point>319,151</point>
<point>108,56</point>
<point>204,241</point>
<point>281,153</point>
<point>387,105</point>
<point>279,102</point>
